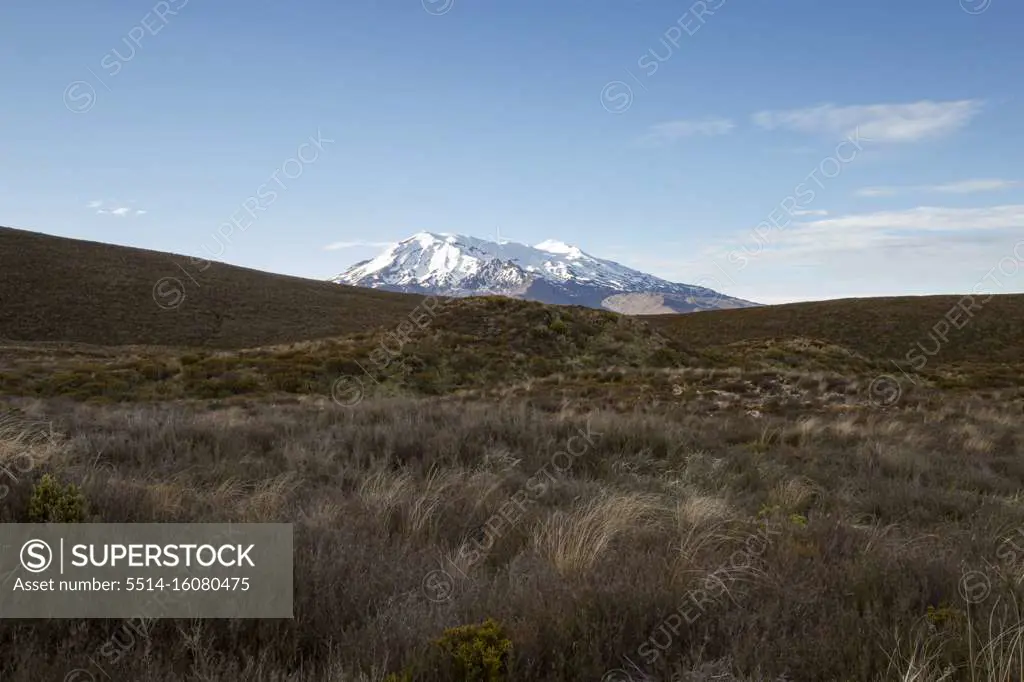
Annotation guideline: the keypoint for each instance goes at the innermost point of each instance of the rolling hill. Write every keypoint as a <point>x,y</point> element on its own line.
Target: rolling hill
<point>54,289</point>
<point>666,443</point>
<point>891,328</point>
<point>59,290</point>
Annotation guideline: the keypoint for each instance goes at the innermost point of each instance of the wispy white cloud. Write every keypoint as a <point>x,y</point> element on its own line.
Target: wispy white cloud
<point>336,246</point>
<point>923,250</point>
<point>930,218</point>
<point>918,251</point>
<point>814,212</point>
<point>971,186</point>
<point>921,227</point>
<point>672,131</point>
<point>907,122</point>
<point>114,208</point>
<point>959,187</point>
<point>878,191</point>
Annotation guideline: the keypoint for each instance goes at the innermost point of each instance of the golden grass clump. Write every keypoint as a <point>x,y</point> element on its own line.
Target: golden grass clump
<point>795,495</point>
<point>25,445</point>
<point>574,541</point>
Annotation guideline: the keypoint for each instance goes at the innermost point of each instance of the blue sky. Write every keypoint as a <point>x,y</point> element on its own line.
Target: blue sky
<point>663,135</point>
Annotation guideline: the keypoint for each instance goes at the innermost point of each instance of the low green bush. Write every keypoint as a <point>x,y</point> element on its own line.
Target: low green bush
<point>477,653</point>
<point>52,503</point>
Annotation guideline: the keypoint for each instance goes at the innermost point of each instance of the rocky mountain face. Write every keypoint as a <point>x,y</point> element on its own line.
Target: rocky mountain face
<point>549,272</point>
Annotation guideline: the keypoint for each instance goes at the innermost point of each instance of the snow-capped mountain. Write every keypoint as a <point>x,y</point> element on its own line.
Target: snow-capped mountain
<point>551,272</point>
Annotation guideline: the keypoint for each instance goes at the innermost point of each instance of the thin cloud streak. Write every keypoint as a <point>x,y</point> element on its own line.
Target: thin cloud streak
<point>924,227</point>
<point>672,131</point>
<point>959,187</point>
<point>896,123</point>
<point>114,208</point>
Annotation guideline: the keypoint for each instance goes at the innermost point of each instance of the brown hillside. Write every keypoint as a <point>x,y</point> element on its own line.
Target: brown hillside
<point>881,328</point>
<point>58,289</point>
<point>54,289</point>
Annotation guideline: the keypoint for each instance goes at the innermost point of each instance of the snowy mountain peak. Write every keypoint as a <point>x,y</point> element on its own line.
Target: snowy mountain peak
<point>552,271</point>
<point>555,246</point>
<point>425,239</point>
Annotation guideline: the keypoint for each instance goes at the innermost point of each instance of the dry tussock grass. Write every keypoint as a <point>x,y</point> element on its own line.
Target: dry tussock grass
<point>269,499</point>
<point>702,524</point>
<point>385,492</point>
<point>167,500</point>
<point>995,647</point>
<point>697,510</point>
<point>896,459</point>
<point>795,495</point>
<point>573,541</point>
<point>423,508</point>
<point>976,440</point>
<point>876,516</point>
<point>25,444</point>
<point>323,514</point>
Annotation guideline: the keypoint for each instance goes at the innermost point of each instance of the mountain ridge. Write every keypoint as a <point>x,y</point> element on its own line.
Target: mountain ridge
<point>549,272</point>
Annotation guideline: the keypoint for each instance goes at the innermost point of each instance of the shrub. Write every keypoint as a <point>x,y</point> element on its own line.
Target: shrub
<point>155,371</point>
<point>50,503</point>
<point>477,653</point>
<point>944,615</point>
<point>663,357</point>
<point>558,326</point>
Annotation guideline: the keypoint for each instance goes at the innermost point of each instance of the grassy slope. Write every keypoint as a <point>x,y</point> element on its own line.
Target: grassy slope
<point>703,434</point>
<point>64,290</point>
<point>499,347</point>
<point>885,328</point>
<point>404,527</point>
<point>69,290</point>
